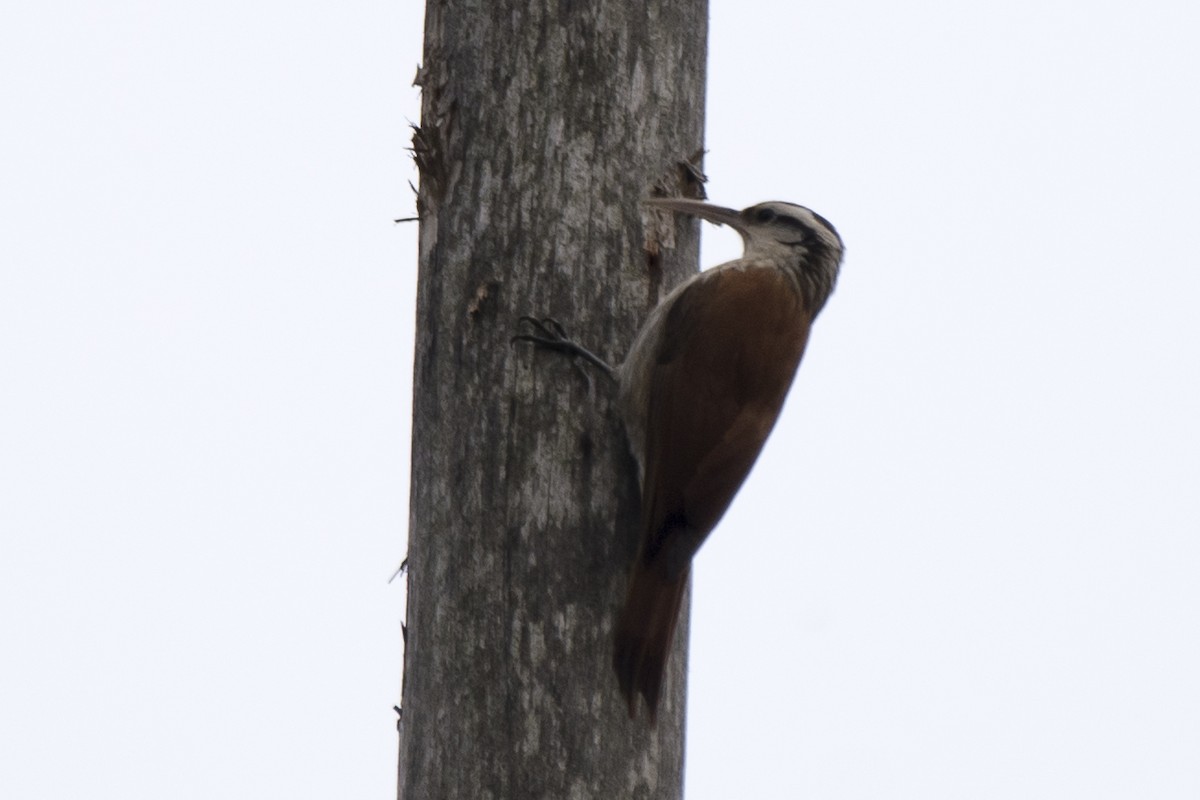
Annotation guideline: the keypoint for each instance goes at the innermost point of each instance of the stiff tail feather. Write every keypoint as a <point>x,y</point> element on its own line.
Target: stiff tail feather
<point>645,631</point>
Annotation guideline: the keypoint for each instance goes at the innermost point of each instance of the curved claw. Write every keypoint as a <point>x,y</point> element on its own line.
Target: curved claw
<point>551,335</point>
<point>548,327</point>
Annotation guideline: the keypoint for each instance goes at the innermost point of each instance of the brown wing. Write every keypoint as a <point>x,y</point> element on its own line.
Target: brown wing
<point>731,345</point>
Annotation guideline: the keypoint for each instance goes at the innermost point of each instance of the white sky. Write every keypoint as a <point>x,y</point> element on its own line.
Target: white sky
<point>966,566</point>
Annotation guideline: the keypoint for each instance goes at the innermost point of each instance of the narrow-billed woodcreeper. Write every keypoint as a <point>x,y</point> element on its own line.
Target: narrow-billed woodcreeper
<point>699,392</point>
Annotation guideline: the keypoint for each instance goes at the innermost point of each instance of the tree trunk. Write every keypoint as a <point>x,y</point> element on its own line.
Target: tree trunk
<point>544,123</point>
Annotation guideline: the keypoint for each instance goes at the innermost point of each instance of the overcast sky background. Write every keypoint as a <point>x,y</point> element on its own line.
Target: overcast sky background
<point>966,565</point>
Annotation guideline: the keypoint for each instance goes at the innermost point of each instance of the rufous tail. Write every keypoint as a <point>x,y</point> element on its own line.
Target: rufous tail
<point>645,631</point>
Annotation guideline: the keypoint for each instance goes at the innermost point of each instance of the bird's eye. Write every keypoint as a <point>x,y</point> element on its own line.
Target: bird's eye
<point>764,215</point>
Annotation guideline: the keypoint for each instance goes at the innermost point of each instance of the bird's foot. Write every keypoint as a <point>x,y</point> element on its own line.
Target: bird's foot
<point>550,334</point>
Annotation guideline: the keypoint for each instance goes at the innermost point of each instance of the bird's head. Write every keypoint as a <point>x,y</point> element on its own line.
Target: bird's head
<point>790,236</point>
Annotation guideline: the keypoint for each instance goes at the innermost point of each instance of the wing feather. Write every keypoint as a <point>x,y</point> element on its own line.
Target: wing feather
<point>731,343</point>
<point>731,346</point>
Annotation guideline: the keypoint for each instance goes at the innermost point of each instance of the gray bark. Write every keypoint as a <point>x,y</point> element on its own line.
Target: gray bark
<point>544,123</point>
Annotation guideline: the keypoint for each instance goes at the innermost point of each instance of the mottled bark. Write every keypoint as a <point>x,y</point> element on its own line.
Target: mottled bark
<point>544,122</point>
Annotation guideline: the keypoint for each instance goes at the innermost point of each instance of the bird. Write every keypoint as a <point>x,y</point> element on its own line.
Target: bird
<point>699,392</point>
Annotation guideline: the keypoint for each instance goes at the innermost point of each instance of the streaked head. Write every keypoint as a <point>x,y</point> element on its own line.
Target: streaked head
<point>791,236</point>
